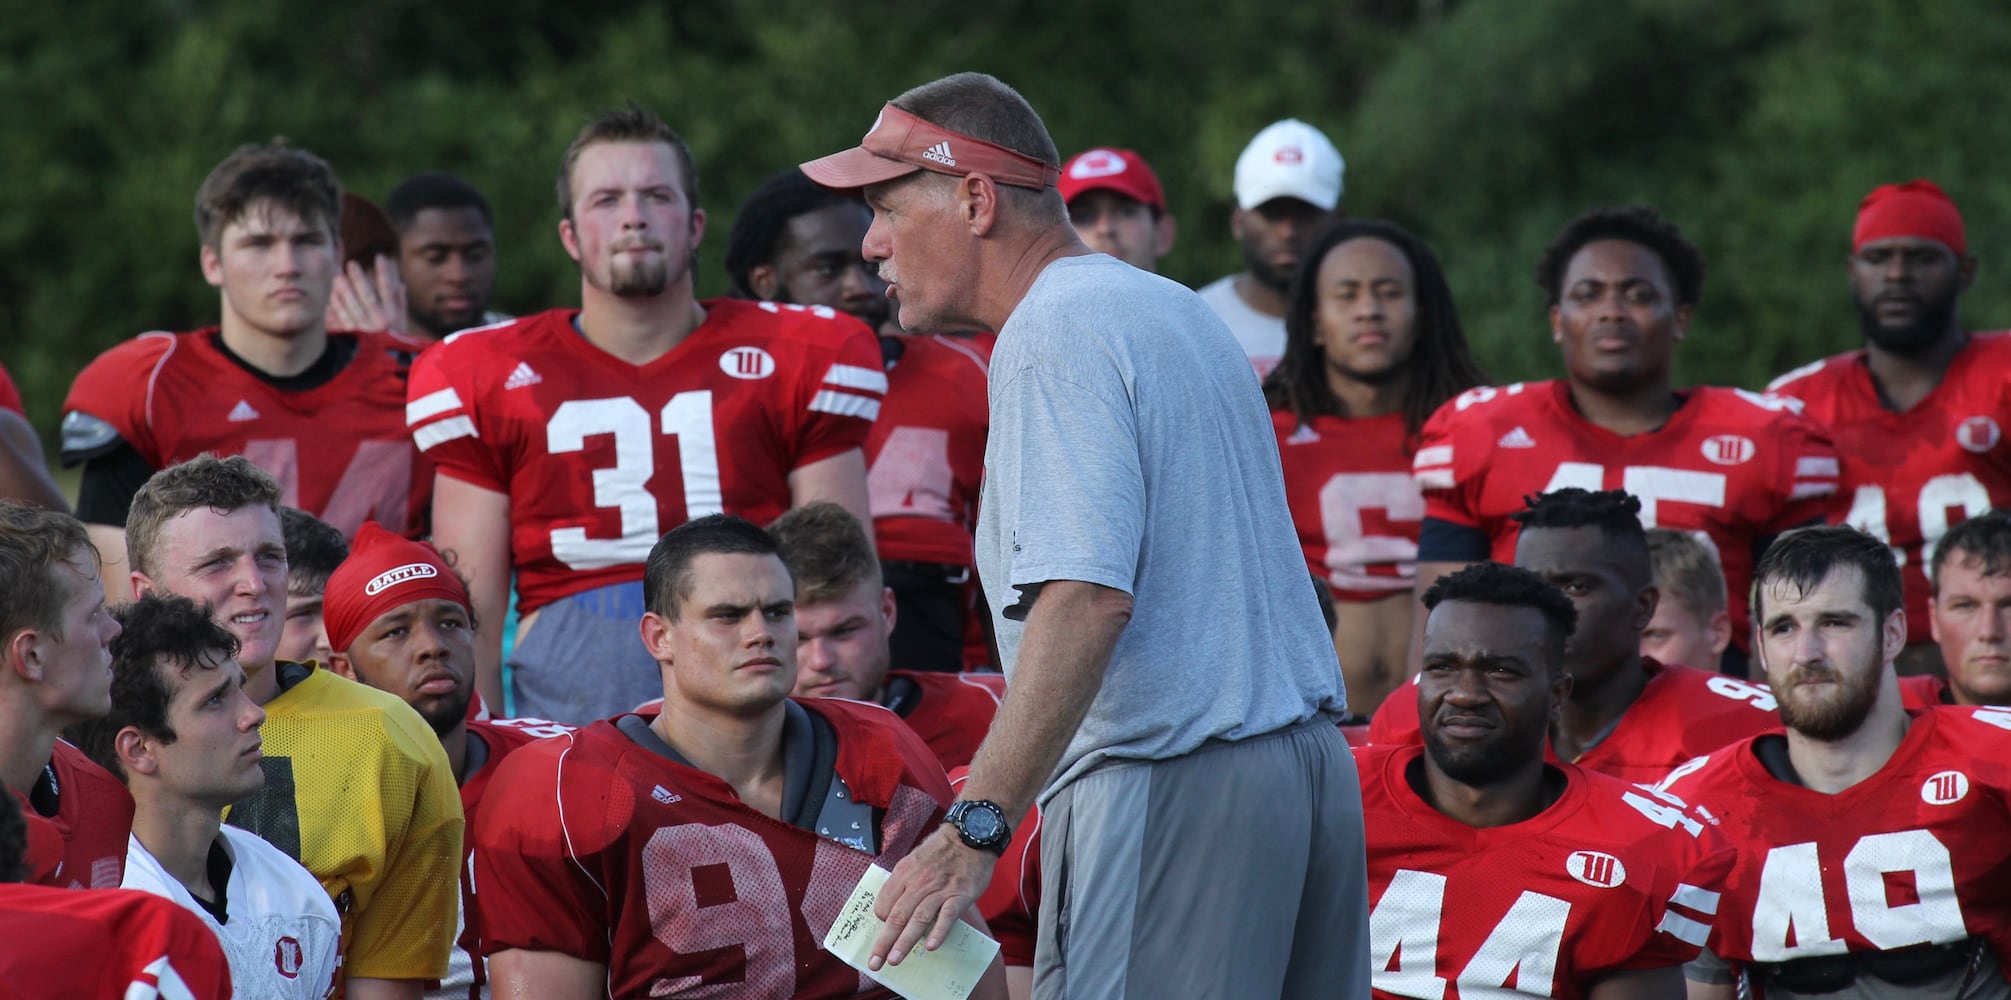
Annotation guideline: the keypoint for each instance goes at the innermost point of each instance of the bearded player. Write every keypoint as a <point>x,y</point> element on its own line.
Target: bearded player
<point>794,241</point>
<point>1737,466</point>
<point>1373,345</point>
<point>1627,715</point>
<point>568,441</point>
<point>1870,838</point>
<point>688,855</point>
<point>1918,413</point>
<point>1490,866</point>
<point>320,411</point>
<point>397,615</point>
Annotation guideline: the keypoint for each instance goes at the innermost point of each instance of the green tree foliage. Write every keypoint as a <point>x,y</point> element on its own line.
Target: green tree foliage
<point>1756,124</point>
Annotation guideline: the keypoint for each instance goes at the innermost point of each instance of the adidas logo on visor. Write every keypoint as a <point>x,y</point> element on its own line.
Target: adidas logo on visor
<point>940,152</point>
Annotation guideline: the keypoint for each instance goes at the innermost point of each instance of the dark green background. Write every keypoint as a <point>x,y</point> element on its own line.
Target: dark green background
<point>1484,124</point>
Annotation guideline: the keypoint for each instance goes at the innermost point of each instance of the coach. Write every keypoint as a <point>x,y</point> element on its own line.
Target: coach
<point>1172,686</point>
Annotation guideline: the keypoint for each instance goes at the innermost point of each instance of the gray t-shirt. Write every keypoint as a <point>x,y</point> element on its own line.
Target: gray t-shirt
<point>1130,447</point>
<point>1262,336</point>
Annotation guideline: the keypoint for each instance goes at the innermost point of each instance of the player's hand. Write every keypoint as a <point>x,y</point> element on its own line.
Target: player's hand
<point>362,300</point>
<point>928,893</point>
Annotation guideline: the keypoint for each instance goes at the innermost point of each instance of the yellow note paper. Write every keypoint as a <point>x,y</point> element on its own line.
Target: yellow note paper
<point>948,973</point>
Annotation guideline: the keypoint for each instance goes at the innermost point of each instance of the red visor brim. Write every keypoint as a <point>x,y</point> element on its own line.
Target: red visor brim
<point>855,168</point>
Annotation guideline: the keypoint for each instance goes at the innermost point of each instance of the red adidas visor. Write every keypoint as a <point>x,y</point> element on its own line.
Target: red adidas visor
<point>900,144</point>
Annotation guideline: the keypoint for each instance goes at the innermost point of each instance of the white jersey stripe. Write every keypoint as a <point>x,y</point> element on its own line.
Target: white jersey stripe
<point>1816,466</point>
<point>855,377</point>
<point>432,405</point>
<point>1438,454</point>
<point>1692,897</point>
<point>846,405</point>
<point>444,431</point>
<point>1434,479</point>
<point>1805,490</point>
<point>1684,929</point>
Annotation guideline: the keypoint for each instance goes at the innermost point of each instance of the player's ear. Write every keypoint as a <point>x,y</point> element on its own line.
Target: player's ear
<point>1556,325</point>
<point>569,239</point>
<point>22,656</point>
<point>888,607</point>
<point>1965,269</point>
<point>339,663</point>
<point>135,751</point>
<point>1236,223</point>
<point>978,203</point>
<point>655,632</point>
<point>1163,233</point>
<point>142,586</point>
<point>212,265</point>
<point>697,226</point>
<point>763,282</point>
<point>1645,601</point>
<point>1683,314</point>
<point>1720,628</point>
<point>1560,694</point>
<point>1895,634</point>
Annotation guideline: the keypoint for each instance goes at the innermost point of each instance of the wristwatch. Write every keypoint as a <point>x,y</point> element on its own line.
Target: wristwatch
<point>980,824</point>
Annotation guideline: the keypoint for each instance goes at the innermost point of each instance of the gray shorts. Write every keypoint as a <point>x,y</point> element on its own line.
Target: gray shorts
<point>1235,871</point>
<point>584,660</point>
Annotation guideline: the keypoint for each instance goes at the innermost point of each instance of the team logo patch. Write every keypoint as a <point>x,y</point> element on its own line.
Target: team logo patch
<point>1945,788</point>
<point>747,363</point>
<point>1289,154</point>
<point>1729,449</point>
<point>1097,163</point>
<point>1596,868</point>
<point>403,574</point>
<point>1978,434</point>
<point>288,957</point>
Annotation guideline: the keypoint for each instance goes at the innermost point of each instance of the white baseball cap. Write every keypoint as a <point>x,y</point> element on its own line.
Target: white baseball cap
<point>1289,159</point>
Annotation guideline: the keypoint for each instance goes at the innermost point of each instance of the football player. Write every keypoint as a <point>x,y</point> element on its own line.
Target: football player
<point>1493,872</point>
<point>844,616</point>
<point>709,849</point>
<point>1691,625</point>
<point>1737,466</point>
<point>58,673</point>
<point>357,788</point>
<point>1373,346</point>
<point>313,550</point>
<point>399,613</point>
<point>568,441</point>
<point>1627,715</point>
<point>1971,615</point>
<point>321,412</point>
<point>794,241</point>
<point>1918,412</point>
<point>184,737</point>
<point>1870,838</point>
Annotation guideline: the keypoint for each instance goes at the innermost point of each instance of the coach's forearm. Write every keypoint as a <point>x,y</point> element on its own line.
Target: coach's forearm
<point>1070,634</point>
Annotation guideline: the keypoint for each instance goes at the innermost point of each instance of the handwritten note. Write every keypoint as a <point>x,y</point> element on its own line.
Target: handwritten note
<point>948,973</point>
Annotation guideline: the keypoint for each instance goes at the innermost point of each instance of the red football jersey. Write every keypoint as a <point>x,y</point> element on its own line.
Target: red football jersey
<point>1605,880</point>
<point>925,459</point>
<point>1011,901</point>
<point>465,967</point>
<point>1908,476</point>
<point>1353,501</point>
<point>600,457</point>
<point>1922,691</point>
<point>94,815</point>
<point>598,848</point>
<point>10,397</point>
<point>340,451</point>
<point>953,712</point>
<point>109,943</point>
<point>1682,713</point>
<point>1731,465</point>
<point>1914,854</point>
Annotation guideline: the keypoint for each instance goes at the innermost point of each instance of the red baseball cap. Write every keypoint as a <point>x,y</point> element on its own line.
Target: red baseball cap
<point>1109,169</point>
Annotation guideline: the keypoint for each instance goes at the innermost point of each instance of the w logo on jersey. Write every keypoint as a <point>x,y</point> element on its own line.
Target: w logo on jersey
<point>288,957</point>
<point>747,363</point>
<point>1729,449</point>
<point>1946,788</point>
<point>1596,868</point>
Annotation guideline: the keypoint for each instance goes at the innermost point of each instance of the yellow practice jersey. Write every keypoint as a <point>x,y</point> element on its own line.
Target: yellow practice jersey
<point>360,792</point>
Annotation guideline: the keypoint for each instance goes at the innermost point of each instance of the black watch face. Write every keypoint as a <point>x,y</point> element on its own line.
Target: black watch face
<point>981,824</point>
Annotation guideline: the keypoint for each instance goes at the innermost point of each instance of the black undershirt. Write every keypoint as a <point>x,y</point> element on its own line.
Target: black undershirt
<point>114,474</point>
<point>219,882</point>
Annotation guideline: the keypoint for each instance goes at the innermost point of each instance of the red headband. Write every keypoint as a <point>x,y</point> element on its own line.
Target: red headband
<point>384,572</point>
<point>1916,208</point>
<point>900,144</point>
